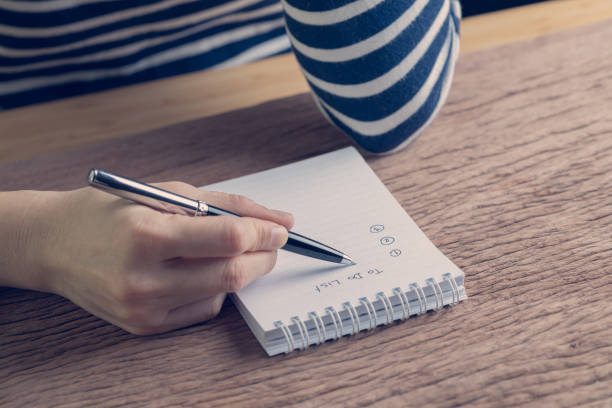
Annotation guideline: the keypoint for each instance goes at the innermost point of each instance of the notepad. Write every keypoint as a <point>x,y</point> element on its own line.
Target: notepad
<point>337,199</point>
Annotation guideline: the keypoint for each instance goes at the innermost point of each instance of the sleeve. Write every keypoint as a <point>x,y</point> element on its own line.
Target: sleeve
<point>378,70</point>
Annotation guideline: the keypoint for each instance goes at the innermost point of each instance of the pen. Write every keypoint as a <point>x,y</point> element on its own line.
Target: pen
<point>174,203</point>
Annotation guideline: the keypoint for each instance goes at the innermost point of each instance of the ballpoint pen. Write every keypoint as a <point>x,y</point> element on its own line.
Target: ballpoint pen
<point>174,203</point>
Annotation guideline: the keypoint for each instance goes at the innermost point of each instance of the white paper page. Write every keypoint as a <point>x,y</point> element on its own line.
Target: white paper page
<point>338,200</point>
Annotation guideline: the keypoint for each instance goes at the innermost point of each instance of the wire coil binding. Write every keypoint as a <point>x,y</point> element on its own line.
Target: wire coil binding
<point>320,329</point>
<point>331,312</point>
<point>404,301</point>
<point>432,283</point>
<point>398,303</point>
<point>287,334</point>
<point>387,305</point>
<point>447,277</point>
<point>372,322</point>
<point>421,295</point>
<point>355,323</point>
<point>303,331</point>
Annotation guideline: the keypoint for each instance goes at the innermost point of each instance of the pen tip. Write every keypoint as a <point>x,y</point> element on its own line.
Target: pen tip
<point>346,260</point>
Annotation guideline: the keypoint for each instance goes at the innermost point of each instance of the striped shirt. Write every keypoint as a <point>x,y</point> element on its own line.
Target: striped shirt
<point>379,69</point>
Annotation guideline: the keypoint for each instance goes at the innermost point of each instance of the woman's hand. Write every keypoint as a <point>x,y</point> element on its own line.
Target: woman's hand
<point>136,267</point>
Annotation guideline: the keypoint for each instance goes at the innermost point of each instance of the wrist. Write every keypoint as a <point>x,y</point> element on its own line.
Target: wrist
<point>25,220</point>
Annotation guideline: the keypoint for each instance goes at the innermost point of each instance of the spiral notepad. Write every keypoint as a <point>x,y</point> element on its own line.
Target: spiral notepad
<point>337,199</point>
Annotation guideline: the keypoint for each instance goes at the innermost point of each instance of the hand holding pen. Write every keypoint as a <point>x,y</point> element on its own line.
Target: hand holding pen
<point>144,270</point>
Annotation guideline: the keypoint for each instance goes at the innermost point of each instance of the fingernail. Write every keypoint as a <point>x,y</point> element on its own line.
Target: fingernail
<point>279,236</point>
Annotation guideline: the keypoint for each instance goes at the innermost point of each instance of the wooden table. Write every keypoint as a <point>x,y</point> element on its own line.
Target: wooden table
<point>513,182</point>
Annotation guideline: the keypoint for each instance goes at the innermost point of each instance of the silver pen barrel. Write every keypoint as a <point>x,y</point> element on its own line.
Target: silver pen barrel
<point>174,203</point>
<point>145,194</point>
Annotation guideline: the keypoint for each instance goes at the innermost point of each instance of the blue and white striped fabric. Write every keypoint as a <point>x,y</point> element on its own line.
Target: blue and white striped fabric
<point>378,69</point>
<point>56,48</point>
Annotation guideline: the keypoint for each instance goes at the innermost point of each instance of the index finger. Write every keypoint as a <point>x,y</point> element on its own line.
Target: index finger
<point>246,207</point>
<point>231,202</point>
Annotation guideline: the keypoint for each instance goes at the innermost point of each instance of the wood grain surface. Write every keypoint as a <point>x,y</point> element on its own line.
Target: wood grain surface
<point>513,182</point>
<point>80,121</point>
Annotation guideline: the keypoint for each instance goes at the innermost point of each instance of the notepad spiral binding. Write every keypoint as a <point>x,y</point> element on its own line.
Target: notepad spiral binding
<point>400,305</point>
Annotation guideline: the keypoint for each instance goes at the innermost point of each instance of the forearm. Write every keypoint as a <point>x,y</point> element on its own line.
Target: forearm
<point>22,235</point>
